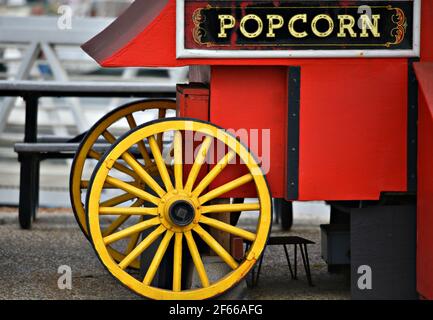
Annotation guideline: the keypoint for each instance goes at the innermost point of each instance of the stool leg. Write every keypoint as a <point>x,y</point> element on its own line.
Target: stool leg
<point>288,261</point>
<point>256,282</point>
<point>306,263</point>
<point>253,270</point>
<point>310,281</point>
<point>253,277</point>
<point>296,262</point>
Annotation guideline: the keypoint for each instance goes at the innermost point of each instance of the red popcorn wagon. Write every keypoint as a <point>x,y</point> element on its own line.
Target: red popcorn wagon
<point>287,100</point>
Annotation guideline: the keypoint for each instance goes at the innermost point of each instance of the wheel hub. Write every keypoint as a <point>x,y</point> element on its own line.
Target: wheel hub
<point>181,213</point>
<point>178,211</point>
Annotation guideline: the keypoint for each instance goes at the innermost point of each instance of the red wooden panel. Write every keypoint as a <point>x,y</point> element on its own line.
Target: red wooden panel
<point>353,132</point>
<point>193,102</point>
<point>426,30</point>
<point>253,98</point>
<point>425,202</point>
<point>424,74</point>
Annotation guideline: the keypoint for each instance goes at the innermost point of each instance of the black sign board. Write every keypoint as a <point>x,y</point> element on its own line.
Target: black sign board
<point>300,25</point>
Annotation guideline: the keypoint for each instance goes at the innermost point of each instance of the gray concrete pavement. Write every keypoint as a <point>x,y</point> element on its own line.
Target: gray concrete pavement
<point>29,261</point>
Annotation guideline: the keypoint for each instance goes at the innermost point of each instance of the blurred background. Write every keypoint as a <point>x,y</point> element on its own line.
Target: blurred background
<point>40,41</point>
<point>33,36</point>
<point>82,8</point>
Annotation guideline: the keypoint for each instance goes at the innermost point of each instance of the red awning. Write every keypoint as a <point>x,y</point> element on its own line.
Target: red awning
<point>137,37</point>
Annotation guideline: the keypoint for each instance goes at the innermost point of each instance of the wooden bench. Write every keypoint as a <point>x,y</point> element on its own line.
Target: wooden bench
<point>33,150</point>
<point>56,150</point>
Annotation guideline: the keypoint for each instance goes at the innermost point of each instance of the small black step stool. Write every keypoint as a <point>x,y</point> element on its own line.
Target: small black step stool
<point>285,241</point>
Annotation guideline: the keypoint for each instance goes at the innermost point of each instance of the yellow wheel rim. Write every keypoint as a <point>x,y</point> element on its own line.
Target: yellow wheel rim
<point>163,218</point>
<point>102,130</point>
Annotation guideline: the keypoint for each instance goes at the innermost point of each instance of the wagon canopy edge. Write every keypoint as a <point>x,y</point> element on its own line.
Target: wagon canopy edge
<point>136,18</point>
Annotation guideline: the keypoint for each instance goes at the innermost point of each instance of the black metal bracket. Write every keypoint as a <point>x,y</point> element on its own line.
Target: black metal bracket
<point>412,127</point>
<point>294,103</point>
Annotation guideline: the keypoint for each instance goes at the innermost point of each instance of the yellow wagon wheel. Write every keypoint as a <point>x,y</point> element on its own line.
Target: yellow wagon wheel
<point>180,209</point>
<point>106,130</point>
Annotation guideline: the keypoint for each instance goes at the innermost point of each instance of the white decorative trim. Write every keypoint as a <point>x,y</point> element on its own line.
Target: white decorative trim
<point>182,53</point>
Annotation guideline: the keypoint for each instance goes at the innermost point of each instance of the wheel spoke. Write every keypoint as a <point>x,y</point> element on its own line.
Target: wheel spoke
<point>131,211</point>
<point>108,136</point>
<point>228,228</point>
<point>216,170</point>
<point>84,184</point>
<point>177,263</point>
<point>124,169</point>
<point>117,200</point>
<point>226,188</point>
<point>178,166</point>
<point>97,156</point>
<point>141,247</point>
<point>142,173</point>
<point>132,189</point>
<point>120,220</point>
<point>198,162</point>
<point>230,207</point>
<point>133,241</point>
<point>156,261</point>
<point>115,225</point>
<point>162,168</point>
<point>197,259</point>
<point>94,155</point>
<point>131,230</point>
<point>160,136</point>
<point>141,146</point>
<point>216,247</point>
<point>111,139</point>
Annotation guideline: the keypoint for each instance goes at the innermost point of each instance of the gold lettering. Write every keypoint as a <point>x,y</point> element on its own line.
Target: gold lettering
<point>314,25</point>
<point>372,26</point>
<point>293,32</point>
<point>275,22</point>
<point>227,21</point>
<point>346,23</point>
<point>259,26</point>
